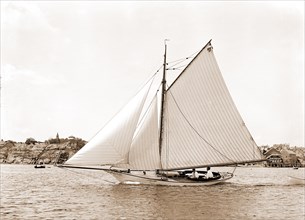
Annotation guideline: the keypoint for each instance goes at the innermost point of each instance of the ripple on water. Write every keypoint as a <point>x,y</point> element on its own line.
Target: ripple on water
<point>55,193</point>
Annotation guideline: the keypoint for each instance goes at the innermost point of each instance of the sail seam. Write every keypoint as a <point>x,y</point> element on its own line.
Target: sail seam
<point>189,64</point>
<point>196,130</point>
<point>145,113</point>
<point>140,123</point>
<point>127,154</point>
<point>235,117</point>
<point>151,78</point>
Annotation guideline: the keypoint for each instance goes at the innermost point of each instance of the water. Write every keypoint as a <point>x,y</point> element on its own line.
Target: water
<point>54,193</point>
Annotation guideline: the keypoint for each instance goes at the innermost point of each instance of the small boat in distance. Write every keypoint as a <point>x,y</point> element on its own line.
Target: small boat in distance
<point>168,134</point>
<point>40,165</point>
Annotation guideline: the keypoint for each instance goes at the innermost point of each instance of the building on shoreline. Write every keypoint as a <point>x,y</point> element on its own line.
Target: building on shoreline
<point>274,158</point>
<point>284,156</point>
<point>54,151</point>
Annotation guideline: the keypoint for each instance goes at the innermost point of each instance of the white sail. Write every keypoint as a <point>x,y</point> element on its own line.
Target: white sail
<point>111,145</point>
<point>144,151</point>
<point>202,124</point>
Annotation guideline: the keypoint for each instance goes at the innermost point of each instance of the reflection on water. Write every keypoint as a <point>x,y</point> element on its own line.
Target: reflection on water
<point>54,193</point>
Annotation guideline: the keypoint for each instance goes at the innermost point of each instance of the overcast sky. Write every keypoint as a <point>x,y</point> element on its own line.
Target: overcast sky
<point>68,67</point>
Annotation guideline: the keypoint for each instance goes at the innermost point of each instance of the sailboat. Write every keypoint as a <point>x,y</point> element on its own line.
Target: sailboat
<point>168,134</point>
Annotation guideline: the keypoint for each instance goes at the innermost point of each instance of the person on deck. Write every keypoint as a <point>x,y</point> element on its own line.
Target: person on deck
<point>194,175</point>
<point>209,173</point>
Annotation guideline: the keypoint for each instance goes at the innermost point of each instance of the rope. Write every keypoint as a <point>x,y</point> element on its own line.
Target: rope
<point>177,68</point>
<point>180,61</point>
<point>190,56</point>
<point>177,63</point>
<point>197,131</point>
<point>151,78</point>
<point>148,108</point>
<point>234,169</point>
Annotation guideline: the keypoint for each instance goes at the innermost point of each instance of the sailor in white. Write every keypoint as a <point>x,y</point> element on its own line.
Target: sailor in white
<point>209,173</point>
<point>194,175</point>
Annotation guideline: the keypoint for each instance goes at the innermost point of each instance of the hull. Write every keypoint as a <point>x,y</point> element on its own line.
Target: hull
<point>150,178</point>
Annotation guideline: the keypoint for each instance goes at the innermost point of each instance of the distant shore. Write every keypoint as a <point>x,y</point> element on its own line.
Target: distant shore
<point>58,150</point>
<point>33,152</point>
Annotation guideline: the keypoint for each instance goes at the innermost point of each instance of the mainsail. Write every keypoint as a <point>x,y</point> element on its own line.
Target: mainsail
<point>202,124</point>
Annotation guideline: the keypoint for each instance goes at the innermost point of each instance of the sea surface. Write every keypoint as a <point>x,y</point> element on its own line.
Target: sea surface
<point>57,193</point>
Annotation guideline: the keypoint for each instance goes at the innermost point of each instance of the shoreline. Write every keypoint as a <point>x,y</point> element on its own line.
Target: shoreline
<point>33,153</point>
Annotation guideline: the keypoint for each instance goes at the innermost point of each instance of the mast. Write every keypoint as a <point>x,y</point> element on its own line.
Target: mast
<point>162,98</point>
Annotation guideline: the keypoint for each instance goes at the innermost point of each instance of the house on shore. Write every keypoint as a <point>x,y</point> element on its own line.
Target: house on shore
<point>283,158</point>
<point>274,158</point>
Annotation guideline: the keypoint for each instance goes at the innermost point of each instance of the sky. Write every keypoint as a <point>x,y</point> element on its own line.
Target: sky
<point>68,66</point>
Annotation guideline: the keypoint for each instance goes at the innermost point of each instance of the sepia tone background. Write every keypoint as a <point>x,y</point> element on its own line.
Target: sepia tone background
<point>68,67</point>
